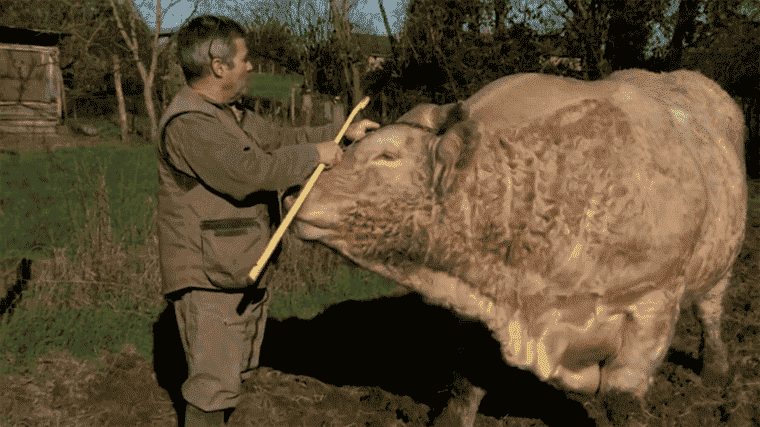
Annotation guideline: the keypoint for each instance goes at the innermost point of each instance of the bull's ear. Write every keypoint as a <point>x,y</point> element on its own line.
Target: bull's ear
<point>436,117</point>
<point>446,116</point>
<point>451,153</point>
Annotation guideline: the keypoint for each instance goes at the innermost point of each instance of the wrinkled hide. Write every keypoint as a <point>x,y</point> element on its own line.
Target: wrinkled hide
<point>573,218</point>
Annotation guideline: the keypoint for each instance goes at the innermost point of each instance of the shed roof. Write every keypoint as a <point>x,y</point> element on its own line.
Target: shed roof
<point>29,36</point>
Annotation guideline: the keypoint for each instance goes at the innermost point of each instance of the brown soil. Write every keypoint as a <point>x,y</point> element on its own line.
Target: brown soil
<point>121,390</point>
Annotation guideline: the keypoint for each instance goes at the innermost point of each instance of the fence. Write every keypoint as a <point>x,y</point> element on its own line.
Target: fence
<point>297,110</point>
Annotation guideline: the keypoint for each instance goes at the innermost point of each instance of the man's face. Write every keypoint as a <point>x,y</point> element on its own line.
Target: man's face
<point>236,79</point>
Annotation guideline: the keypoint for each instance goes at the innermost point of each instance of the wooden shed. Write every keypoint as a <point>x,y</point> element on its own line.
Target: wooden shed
<point>31,85</point>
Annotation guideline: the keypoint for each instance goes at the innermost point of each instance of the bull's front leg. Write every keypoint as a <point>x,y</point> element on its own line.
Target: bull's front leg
<point>462,407</point>
<point>646,336</point>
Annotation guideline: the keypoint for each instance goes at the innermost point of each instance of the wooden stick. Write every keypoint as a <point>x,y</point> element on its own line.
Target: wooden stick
<point>254,274</point>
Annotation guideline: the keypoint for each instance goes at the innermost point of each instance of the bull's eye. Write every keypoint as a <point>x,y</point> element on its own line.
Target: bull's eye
<point>386,159</point>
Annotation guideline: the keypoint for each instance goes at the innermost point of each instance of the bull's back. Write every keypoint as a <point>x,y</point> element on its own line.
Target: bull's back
<point>521,98</point>
<point>661,146</point>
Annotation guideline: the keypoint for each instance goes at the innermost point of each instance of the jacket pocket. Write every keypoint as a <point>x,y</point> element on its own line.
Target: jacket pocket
<point>231,248</point>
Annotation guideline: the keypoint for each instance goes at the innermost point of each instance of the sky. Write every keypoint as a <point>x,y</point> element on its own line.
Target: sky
<point>366,13</point>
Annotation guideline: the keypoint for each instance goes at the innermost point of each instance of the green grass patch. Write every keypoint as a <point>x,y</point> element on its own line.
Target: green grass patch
<point>273,85</point>
<point>344,284</point>
<point>86,330</point>
<point>48,196</point>
<point>93,211</point>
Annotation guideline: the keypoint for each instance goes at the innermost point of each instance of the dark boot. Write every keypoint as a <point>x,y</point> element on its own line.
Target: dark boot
<point>194,417</point>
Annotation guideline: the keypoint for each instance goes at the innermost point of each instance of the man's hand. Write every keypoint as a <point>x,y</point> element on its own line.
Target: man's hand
<point>357,131</point>
<point>330,153</point>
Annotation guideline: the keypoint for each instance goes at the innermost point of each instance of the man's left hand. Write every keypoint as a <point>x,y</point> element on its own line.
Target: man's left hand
<point>357,131</point>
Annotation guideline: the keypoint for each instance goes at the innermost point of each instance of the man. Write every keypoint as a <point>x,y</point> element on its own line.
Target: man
<point>217,182</point>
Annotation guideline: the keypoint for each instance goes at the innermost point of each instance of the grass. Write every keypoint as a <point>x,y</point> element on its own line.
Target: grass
<point>90,214</point>
<point>273,85</point>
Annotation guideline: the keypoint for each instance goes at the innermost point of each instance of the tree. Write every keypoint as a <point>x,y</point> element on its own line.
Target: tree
<point>629,32</point>
<point>116,51</point>
<point>434,33</point>
<point>273,42</point>
<point>614,35</point>
<point>434,63</point>
<point>350,54</point>
<point>131,24</point>
<point>683,33</point>
<point>310,34</point>
<point>724,47</point>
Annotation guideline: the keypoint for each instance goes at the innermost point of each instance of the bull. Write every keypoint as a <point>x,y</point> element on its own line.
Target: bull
<point>574,219</point>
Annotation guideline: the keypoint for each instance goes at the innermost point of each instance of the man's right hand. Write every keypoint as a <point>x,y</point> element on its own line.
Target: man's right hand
<point>330,153</point>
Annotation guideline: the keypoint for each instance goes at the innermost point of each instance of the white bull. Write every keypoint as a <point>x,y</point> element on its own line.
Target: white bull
<point>573,218</point>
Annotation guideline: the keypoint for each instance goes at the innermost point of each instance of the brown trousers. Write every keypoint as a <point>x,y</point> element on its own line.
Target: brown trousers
<point>221,346</point>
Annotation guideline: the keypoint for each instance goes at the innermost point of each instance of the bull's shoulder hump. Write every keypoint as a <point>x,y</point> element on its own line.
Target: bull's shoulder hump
<point>531,96</point>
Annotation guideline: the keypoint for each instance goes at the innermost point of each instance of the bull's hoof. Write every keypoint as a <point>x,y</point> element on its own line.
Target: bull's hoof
<point>620,405</point>
<point>714,376</point>
<point>463,407</point>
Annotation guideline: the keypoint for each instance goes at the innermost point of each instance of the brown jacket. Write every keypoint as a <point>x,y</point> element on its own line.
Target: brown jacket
<point>216,186</point>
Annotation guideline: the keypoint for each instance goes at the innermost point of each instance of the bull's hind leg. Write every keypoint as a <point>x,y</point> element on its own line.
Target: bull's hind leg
<point>712,351</point>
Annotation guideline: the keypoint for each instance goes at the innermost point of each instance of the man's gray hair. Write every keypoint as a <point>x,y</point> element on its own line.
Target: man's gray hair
<point>203,39</point>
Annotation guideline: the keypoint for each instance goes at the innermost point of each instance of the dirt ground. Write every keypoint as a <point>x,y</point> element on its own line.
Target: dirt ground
<point>123,389</point>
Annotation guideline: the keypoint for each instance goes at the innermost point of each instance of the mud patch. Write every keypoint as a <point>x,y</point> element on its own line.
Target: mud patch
<point>275,398</point>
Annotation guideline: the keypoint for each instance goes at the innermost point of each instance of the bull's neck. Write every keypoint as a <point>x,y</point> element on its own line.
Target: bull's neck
<point>471,238</point>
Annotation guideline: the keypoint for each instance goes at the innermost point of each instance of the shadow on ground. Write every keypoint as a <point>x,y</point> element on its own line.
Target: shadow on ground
<point>409,348</point>
<point>398,344</point>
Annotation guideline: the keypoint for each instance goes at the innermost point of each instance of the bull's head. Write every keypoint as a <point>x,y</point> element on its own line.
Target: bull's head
<point>411,160</point>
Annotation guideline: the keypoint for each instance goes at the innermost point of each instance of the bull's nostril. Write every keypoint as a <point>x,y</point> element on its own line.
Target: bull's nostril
<point>290,201</point>
<point>292,191</point>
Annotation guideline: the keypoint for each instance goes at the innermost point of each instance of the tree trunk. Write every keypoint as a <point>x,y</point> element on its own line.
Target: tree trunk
<point>147,75</point>
<point>351,71</point>
<point>499,7</point>
<point>358,93</point>
<point>293,105</point>
<point>347,79</point>
<point>120,98</point>
<point>685,17</point>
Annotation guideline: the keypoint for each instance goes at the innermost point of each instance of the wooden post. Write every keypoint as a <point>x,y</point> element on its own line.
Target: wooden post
<point>384,108</point>
<point>293,104</point>
<point>328,111</point>
<point>307,107</point>
<point>339,116</point>
<point>260,72</point>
